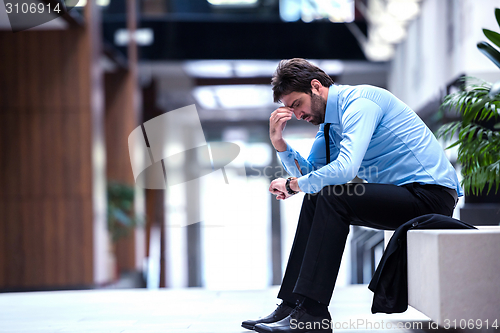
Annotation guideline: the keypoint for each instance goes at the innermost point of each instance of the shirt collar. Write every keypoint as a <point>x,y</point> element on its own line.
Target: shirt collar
<point>332,107</point>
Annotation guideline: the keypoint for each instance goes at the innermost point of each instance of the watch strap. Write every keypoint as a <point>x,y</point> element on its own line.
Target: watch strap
<point>288,188</point>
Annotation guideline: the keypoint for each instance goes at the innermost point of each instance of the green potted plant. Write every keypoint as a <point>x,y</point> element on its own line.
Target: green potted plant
<point>121,216</point>
<point>122,219</point>
<point>478,139</point>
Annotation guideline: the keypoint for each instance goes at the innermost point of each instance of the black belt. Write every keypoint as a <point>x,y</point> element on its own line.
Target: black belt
<point>452,192</point>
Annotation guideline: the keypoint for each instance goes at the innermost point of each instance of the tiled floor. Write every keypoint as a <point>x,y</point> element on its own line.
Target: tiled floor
<point>185,310</point>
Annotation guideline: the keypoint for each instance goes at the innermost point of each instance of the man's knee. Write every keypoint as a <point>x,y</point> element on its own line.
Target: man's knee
<point>333,204</point>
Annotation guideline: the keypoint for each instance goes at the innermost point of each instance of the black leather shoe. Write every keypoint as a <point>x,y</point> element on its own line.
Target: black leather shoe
<point>299,321</point>
<point>282,311</point>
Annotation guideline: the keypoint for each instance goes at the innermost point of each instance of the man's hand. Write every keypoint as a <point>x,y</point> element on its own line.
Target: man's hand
<point>278,188</point>
<point>277,123</point>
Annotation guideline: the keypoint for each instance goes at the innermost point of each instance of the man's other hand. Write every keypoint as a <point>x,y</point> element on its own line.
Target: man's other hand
<point>278,188</point>
<point>277,123</point>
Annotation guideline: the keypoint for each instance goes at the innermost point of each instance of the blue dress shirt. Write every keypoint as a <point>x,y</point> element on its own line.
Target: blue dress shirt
<point>375,136</point>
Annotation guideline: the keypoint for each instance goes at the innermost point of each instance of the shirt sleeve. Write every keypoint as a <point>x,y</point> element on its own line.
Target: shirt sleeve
<point>359,121</point>
<point>288,158</point>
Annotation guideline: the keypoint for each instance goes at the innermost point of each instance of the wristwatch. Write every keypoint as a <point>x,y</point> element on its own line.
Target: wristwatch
<point>288,188</point>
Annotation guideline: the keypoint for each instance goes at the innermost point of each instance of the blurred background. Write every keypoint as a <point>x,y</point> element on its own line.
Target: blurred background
<point>74,88</point>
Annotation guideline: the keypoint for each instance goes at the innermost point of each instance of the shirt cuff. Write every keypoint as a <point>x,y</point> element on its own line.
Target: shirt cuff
<point>287,154</point>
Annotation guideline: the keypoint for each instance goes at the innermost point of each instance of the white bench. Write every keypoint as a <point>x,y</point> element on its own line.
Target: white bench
<point>454,275</point>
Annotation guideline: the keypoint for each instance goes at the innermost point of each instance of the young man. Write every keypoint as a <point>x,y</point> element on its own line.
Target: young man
<point>369,133</point>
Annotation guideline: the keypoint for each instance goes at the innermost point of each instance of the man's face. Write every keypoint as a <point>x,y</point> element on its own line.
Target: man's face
<point>310,108</point>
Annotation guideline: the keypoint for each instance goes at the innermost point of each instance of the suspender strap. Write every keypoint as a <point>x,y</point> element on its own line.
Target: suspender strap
<point>326,132</point>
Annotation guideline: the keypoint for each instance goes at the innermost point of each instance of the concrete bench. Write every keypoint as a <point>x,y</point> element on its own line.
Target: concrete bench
<point>454,275</point>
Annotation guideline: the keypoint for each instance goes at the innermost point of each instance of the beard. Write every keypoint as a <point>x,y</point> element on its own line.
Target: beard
<point>318,109</point>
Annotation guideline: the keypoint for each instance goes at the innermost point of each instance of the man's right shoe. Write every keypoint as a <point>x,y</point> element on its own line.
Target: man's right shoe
<point>281,312</point>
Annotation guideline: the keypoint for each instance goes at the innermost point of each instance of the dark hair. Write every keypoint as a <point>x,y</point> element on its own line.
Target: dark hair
<point>295,75</point>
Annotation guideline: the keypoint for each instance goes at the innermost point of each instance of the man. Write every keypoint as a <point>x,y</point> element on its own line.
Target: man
<point>371,134</point>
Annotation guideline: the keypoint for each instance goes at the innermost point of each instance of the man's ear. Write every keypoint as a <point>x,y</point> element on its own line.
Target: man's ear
<point>316,86</point>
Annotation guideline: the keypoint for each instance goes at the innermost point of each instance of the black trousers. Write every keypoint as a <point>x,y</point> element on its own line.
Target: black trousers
<point>324,223</point>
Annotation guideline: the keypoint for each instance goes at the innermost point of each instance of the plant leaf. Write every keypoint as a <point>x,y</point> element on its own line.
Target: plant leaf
<point>497,15</point>
<point>493,36</point>
<point>456,143</point>
<point>489,52</point>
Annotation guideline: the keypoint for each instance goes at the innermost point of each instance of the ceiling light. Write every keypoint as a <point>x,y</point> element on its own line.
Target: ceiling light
<point>332,67</point>
<point>379,51</point>
<point>79,3</point>
<point>290,10</point>
<point>209,68</point>
<point>403,9</point>
<point>83,3</point>
<point>234,97</point>
<point>391,32</point>
<point>255,68</point>
<point>206,98</point>
<point>143,37</point>
<point>232,2</point>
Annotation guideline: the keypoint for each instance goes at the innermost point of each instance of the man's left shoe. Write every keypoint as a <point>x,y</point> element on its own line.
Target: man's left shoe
<point>299,321</point>
<point>282,311</point>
